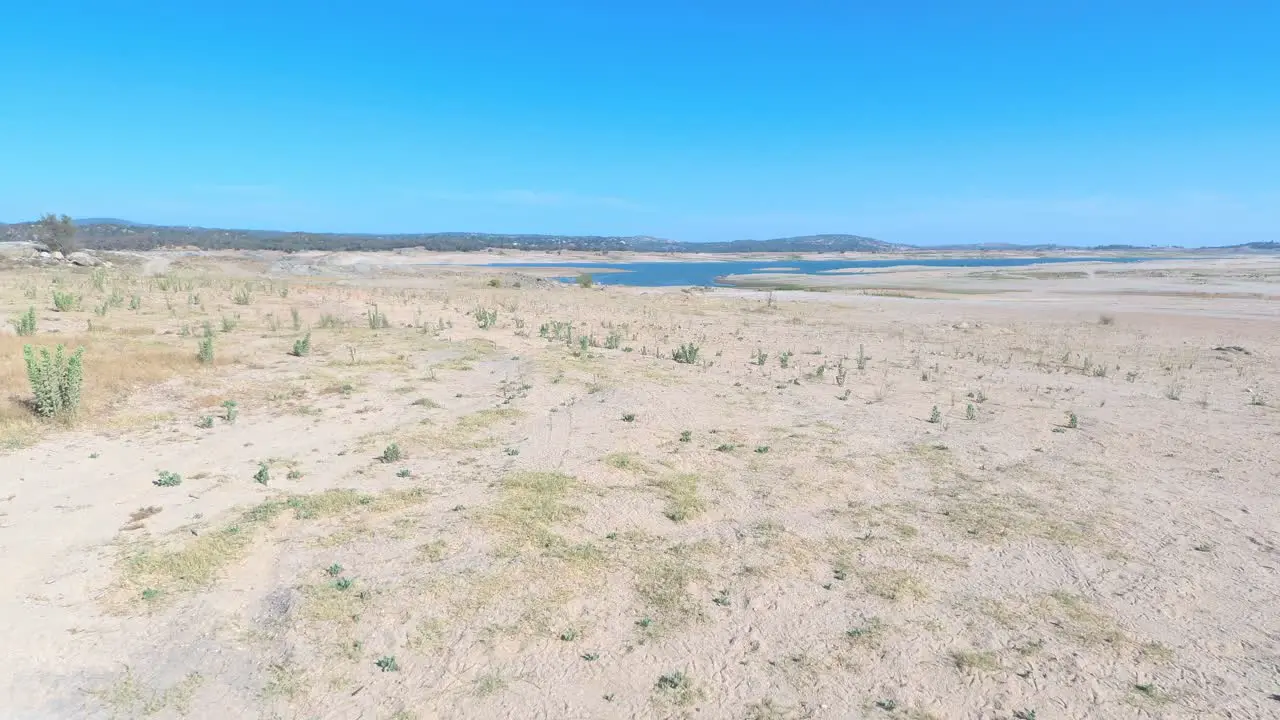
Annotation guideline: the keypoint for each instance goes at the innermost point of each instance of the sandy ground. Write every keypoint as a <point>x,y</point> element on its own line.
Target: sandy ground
<point>1013,496</point>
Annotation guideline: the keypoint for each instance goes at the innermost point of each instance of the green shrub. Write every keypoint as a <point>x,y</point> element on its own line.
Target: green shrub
<point>26,325</point>
<point>135,302</point>
<point>205,353</point>
<point>759,357</point>
<point>297,319</point>
<point>686,353</point>
<point>205,422</point>
<point>232,411</point>
<point>585,280</point>
<point>263,476</point>
<point>784,359</point>
<point>302,348</point>
<point>391,453</point>
<point>65,301</point>
<point>613,341</point>
<point>242,296</point>
<point>55,379</point>
<point>377,320</point>
<point>935,417</point>
<point>485,318</point>
<point>167,479</point>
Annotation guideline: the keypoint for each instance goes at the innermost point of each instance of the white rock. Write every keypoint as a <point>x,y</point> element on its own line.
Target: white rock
<point>83,258</point>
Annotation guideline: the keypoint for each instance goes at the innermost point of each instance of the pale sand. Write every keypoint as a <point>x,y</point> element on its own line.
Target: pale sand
<point>817,548</point>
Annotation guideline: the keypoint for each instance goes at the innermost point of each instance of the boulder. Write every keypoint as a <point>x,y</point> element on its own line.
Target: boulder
<point>83,259</point>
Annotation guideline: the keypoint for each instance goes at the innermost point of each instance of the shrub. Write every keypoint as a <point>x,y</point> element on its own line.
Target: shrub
<point>784,359</point>
<point>55,380</point>
<point>391,453</point>
<point>263,475</point>
<point>205,422</point>
<point>242,296</point>
<point>205,353</point>
<point>376,319</point>
<point>167,479</point>
<point>759,357</point>
<point>302,348</point>
<point>231,411</point>
<point>485,318</point>
<point>862,358</point>
<point>935,417</point>
<point>1073,422</point>
<point>686,354</point>
<point>26,325</point>
<point>57,232</point>
<point>65,301</point>
<point>297,319</point>
<point>613,341</point>
<point>585,280</point>
<point>970,413</point>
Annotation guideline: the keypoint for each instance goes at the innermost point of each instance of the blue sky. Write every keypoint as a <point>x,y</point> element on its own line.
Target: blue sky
<point>920,122</point>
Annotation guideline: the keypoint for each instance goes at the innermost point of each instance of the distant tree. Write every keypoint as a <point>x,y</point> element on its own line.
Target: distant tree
<point>57,232</point>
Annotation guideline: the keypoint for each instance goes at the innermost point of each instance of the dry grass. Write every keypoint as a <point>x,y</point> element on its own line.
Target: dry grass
<point>113,368</point>
<point>683,501</point>
<point>530,504</point>
<point>156,571</point>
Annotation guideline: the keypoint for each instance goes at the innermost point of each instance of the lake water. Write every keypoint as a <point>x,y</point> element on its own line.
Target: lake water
<point>704,273</point>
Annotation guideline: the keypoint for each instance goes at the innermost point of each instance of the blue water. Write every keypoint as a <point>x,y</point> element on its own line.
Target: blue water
<point>706,273</point>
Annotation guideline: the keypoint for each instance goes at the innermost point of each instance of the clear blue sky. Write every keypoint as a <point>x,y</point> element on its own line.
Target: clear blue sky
<point>1077,122</point>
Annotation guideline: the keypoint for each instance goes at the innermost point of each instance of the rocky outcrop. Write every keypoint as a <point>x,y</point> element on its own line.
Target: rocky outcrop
<point>83,259</point>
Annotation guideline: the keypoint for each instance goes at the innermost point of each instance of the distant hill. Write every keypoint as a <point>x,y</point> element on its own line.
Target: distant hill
<point>114,234</point>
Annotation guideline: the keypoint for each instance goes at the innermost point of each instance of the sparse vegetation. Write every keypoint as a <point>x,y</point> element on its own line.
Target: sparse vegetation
<point>302,347</point>
<point>817,538</point>
<point>686,354</point>
<point>56,380</point>
<point>204,353</point>
<point>485,318</point>
<point>25,325</point>
<point>391,454</point>
<point>374,317</point>
<point>65,301</point>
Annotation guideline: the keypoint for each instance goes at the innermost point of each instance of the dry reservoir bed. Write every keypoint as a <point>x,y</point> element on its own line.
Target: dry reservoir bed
<point>477,495</point>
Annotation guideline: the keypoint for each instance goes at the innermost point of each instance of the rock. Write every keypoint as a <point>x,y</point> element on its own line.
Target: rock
<point>44,254</point>
<point>84,259</point>
<point>57,255</point>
